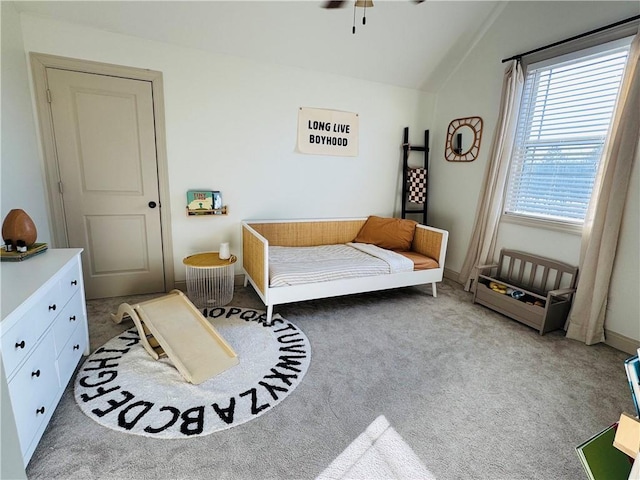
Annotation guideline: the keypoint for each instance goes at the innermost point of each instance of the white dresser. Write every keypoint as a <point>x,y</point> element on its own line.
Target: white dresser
<point>43,335</point>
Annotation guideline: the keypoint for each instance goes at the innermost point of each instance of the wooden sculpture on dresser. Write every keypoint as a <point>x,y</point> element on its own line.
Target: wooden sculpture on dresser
<point>18,227</point>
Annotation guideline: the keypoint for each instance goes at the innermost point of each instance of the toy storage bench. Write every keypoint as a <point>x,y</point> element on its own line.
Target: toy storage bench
<point>533,290</point>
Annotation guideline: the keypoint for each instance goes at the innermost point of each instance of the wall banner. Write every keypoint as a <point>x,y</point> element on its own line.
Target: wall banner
<point>327,132</point>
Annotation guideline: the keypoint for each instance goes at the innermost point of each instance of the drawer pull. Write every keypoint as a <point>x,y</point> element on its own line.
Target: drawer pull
<point>52,307</point>
<point>76,346</point>
<point>39,410</point>
<point>20,345</point>
<point>72,319</point>
<point>36,373</point>
<point>74,282</point>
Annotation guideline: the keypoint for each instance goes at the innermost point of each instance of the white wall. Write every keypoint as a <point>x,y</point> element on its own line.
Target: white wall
<point>22,187</point>
<point>232,125</point>
<point>21,174</point>
<point>475,89</point>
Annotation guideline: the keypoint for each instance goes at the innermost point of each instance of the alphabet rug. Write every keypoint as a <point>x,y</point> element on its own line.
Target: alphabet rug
<point>121,387</point>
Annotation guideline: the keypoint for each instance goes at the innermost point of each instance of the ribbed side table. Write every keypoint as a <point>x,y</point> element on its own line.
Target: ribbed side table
<point>209,279</point>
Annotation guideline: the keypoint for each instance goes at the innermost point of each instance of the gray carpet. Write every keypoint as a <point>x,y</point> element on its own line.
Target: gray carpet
<point>473,393</point>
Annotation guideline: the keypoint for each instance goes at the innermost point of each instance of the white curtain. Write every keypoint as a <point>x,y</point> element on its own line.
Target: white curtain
<point>485,229</point>
<point>602,225</point>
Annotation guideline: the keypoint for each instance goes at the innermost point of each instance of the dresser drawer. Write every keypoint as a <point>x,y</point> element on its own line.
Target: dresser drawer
<point>70,282</point>
<point>18,342</point>
<point>70,355</point>
<point>71,316</point>
<point>47,308</point>
<point>33,390</point>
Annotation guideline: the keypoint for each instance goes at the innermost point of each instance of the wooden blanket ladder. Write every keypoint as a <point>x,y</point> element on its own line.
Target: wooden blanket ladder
<point>414,179</point>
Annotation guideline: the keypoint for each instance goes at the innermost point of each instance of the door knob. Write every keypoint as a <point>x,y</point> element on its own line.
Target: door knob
<point>152,204</point>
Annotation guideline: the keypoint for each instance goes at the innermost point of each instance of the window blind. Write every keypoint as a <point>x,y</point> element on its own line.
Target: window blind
<point>565,115</point>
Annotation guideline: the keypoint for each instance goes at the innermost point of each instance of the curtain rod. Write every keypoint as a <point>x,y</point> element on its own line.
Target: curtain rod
<point>576,37</point>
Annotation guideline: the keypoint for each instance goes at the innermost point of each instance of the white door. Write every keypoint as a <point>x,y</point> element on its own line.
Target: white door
<point>105,145</point>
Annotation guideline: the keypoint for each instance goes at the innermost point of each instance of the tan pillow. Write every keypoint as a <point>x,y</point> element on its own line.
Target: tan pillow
<point>390,233</point>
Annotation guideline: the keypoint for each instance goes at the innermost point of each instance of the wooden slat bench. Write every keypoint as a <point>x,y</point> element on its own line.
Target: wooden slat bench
<point>547,287</point>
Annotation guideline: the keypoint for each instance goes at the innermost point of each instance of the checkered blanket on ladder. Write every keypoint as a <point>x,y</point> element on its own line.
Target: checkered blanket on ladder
<point>417,185</point>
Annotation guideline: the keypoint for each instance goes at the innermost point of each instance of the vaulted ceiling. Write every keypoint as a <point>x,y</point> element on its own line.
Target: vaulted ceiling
<point>407,44</point>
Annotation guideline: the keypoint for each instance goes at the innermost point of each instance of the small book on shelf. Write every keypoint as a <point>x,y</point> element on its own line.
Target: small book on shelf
<point>199,200</point>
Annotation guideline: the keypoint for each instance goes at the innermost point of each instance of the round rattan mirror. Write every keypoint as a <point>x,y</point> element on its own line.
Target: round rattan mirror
<point>463,139</point>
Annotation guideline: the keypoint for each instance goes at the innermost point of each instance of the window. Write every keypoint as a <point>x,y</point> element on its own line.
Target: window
<point>565,113</point>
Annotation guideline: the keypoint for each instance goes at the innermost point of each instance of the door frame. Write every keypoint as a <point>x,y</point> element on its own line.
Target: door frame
<point>57,225</point>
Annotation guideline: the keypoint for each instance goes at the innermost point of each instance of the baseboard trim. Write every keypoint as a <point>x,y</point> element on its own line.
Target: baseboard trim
<point>620,342</point>
<point>451,275</point>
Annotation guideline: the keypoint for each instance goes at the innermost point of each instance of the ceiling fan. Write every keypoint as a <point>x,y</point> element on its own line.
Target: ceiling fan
<point>342,3</point>
<point>330,4</point>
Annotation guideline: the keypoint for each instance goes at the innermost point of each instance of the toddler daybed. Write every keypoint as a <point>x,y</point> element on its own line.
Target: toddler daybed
<point>295,260</point>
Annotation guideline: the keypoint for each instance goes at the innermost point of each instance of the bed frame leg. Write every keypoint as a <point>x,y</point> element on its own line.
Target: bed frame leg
<point>433,289</point>
<point>246,279</point>
<point>269,314</point>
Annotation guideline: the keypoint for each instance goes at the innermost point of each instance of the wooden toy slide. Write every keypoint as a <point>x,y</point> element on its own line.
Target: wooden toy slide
<point>172,326</point>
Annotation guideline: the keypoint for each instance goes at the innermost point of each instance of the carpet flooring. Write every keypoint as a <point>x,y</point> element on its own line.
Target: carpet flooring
<point>472,393</point>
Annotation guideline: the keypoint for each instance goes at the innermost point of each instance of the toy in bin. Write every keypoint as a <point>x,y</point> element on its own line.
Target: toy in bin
<point>498,287</point>
<point>504,290</point>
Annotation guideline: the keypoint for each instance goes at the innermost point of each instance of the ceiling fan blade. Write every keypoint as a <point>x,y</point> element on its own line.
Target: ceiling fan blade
<point>334,4</point>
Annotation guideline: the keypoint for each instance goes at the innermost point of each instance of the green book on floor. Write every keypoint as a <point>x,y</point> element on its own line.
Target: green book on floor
<point>601,460</point>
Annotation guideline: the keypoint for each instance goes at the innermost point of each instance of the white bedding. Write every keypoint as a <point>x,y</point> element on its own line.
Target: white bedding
<point>300,265</point>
